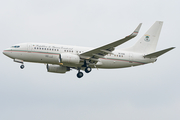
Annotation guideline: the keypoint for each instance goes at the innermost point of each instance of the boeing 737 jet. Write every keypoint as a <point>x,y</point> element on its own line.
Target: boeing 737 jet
<point>63,58</point>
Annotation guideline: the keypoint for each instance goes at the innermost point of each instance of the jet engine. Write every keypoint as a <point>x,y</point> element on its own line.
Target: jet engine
<point>57,68</point>
<point>69,58</point>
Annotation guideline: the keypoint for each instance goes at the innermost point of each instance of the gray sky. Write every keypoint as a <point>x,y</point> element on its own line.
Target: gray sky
<point>137,93</point>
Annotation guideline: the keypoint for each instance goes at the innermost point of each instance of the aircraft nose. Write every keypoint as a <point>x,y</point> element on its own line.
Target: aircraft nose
<point>8,53</point>
<point>4,52</point>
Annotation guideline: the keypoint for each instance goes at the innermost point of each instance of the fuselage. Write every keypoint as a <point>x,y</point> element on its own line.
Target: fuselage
<point>49,54</point>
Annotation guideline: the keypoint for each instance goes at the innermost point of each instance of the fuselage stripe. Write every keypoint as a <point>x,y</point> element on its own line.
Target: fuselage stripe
<point>59,53</point>
<point>32,52</point>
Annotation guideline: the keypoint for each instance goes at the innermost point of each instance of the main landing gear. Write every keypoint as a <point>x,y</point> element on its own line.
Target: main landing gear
<point>80,74</point>
<point>88,69</point>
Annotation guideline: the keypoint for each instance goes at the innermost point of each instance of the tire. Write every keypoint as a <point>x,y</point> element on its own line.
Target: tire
<point>22,66</point>
<point>88,69</point>
<point>79,74</point>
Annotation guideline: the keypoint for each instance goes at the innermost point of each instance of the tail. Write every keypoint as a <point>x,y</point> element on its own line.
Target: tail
<point>148,42</point>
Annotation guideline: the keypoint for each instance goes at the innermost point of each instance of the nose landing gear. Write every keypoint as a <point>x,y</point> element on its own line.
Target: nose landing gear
<point>22,66</point>
<point>19,61</point>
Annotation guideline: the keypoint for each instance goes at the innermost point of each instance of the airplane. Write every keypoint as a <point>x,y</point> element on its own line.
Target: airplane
<point>63,58</point>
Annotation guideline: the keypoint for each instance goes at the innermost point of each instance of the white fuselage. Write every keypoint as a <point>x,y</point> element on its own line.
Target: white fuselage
<point>49,54</point>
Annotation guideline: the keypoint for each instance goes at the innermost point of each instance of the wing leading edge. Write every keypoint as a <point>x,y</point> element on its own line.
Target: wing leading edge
<point>100,52</point>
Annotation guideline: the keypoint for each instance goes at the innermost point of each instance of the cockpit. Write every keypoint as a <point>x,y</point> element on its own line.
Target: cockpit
<point>16,50</point>
<point>15,46</point>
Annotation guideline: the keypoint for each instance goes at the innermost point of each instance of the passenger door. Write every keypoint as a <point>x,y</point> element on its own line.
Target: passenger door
<point>130,57</point>
<point>29,48</point>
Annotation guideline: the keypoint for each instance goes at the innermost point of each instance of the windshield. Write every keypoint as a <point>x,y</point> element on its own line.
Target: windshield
<point>15,46</point>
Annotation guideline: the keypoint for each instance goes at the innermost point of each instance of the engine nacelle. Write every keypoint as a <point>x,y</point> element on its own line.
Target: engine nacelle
<point>57,68</point>
<point>69,58</point>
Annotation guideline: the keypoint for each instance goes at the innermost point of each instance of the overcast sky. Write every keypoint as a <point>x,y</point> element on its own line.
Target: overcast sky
<point>148,92</point>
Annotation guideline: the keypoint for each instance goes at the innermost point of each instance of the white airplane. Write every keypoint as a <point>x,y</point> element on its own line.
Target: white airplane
<point>63,58</point>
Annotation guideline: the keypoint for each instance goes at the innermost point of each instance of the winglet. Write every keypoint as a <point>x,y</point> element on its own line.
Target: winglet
<point>136,30</point>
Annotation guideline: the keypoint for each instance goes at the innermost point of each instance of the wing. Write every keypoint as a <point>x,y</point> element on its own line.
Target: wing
<point>100,52</point>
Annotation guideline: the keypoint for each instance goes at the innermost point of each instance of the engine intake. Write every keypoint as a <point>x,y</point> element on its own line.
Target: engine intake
<point>57,68</point>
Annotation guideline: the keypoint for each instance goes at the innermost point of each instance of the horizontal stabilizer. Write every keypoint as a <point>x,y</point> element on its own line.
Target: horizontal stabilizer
<point>159,53</point>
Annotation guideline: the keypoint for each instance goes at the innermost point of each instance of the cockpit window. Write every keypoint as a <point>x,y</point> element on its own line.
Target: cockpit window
<point>15,46</point>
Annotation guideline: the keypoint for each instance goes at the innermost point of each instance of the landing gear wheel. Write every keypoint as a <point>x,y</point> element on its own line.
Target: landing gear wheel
<point>79,74</point>
<point>22,66</point>
<point>88,69</point>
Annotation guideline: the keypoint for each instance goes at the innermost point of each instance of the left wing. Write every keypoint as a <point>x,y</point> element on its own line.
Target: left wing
<point>100,52</point>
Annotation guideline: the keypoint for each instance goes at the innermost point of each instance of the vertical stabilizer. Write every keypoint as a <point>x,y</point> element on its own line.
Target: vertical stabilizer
<point>148,42</point>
